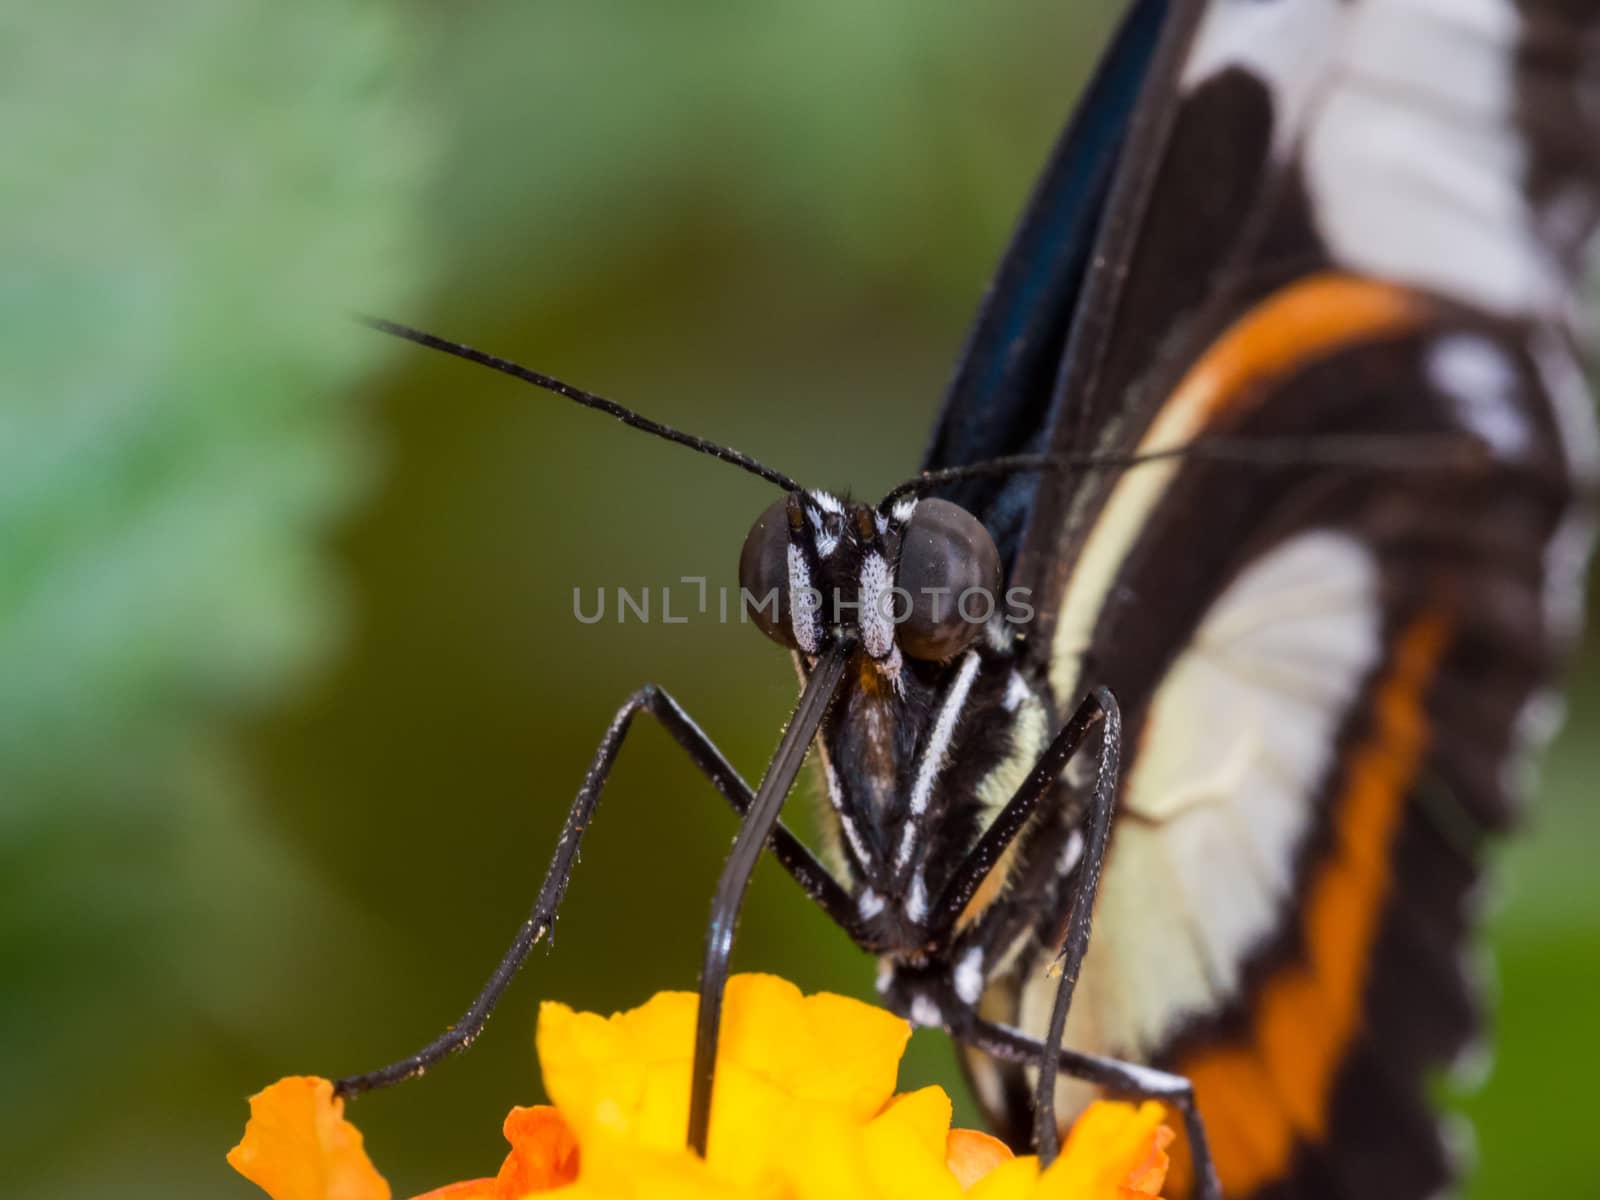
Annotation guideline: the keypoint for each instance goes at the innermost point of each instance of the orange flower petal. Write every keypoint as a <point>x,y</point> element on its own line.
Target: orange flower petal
<point>805,1110</point>
<point>544,1153</point>
<point>1014,1179</point>
<point>1112,1147</point>
<point>298,1146</point>
<point>467,1189</point>
<point>1149,1173</point>
<point>971,1155</point>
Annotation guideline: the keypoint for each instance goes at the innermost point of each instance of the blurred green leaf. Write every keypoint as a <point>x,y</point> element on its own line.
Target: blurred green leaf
<point>195,194</point>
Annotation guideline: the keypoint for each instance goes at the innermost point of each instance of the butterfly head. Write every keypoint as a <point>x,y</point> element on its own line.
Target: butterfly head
<point>916,578</point>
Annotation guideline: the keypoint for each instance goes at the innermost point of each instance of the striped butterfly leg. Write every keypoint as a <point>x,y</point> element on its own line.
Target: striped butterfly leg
<point>1128,1079</point>
<point>812,876</point>
<point>1097,709</point>
<point>1078,918</point>
<point>1048,1054</point>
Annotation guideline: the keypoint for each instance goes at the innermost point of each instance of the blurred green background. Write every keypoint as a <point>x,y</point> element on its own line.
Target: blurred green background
<point>291,698</point>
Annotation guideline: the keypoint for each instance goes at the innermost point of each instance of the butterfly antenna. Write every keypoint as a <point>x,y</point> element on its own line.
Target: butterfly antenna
<point>1389,452</point>
<point>578,396</point>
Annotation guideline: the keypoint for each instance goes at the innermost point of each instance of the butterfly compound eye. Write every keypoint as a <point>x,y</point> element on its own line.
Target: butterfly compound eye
<point>764,573</point>
<point>951,569</point>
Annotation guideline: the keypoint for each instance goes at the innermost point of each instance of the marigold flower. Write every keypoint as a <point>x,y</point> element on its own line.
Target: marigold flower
<point>805,1110</point>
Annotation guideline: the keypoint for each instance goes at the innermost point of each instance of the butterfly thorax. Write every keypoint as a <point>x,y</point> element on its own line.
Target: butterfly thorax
<point>936,723</point>
<point>914,771</point>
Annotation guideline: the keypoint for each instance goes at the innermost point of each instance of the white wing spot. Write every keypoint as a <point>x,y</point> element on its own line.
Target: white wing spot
<point>917,901</point>
<point>885,976</point>
<point>1071,854</point>
<point>925,1013</point>
<point>1476,374</point>
<point>968,976</point>
<point>1403,116</point>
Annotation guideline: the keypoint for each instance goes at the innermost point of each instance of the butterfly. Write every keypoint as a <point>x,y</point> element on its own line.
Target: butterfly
<point>1163,717</point>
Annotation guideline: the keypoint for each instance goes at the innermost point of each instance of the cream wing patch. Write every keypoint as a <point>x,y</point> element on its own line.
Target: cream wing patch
<point>1239,739</point>
<point>1282,44</point>
<point>1416,164</point>
<point>1403,116</point>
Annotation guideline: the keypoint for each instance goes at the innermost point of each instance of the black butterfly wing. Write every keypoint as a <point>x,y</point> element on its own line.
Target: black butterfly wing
<point>999,400</point>
<point>1331,217</point>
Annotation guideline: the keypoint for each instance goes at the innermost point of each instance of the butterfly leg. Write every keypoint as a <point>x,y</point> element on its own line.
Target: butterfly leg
<point>760,822</point>
<point>1122,1078</point>
<point>1005,920</point>
<point>1100,706</point>
<point>1080,914</point>
<point>812,876</point>
<point>1048,1054</point>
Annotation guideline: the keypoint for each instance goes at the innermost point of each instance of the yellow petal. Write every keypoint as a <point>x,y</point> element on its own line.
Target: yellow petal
<point>899,1155</point>
<point>851,1054</point>
<point>298,1146</point>
<point>924,1115</point>
<point>826,1159</point>
<point>903,1149</point>
<point>627,1076</point>
<point>597,1069</point>
<point>613,1170</point>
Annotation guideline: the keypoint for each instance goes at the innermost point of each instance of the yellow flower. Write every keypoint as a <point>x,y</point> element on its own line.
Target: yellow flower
<point>804,1110</point>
